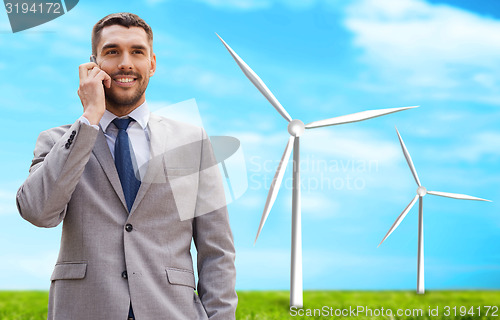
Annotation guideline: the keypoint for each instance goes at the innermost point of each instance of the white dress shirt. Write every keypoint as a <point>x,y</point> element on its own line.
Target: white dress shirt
<point>138,133</point>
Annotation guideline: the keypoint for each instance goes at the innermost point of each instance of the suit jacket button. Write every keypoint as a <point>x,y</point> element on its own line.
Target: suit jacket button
<point>67,145</point>
<point>128,227</point>
<point>124,275</point>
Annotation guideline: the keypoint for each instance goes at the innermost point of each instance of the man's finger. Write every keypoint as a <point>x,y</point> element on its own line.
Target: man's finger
<point>93,72</point>
<point>84,68</point>
<point>106,79</point>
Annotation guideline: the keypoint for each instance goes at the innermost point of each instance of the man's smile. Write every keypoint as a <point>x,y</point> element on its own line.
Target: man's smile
<point>125,81</point>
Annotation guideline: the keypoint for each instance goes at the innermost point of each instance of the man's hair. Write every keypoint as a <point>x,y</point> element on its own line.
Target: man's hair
<point>125,19</point>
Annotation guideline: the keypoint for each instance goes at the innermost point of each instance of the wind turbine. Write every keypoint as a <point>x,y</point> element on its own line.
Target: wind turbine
<point>421,192</point>
<point>295,128</point>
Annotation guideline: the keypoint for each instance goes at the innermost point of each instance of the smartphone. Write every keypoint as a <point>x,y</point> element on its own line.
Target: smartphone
<point>92,59</point>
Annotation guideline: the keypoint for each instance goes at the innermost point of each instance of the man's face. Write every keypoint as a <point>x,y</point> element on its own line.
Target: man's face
<point>125,54</point>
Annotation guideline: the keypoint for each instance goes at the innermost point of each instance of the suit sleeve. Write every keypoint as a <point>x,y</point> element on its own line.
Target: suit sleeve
<point>59,160</point>
<point>214,242</point>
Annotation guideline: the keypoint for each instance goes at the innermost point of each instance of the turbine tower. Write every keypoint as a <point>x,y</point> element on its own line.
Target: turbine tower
<point>296,128</point>
<point>421,192</point>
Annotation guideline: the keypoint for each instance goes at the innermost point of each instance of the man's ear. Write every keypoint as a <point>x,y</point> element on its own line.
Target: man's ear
<point>153,65</point>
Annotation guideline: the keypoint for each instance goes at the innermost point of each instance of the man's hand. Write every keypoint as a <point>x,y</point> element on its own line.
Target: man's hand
<point>91,91</point>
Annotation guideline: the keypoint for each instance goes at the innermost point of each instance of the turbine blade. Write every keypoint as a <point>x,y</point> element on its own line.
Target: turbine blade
<point>360,116</point>
<point>399,219</point>
<point>257,82</point>
<point>408,159</point>
<point>275,185</point>
<point>456,196</point>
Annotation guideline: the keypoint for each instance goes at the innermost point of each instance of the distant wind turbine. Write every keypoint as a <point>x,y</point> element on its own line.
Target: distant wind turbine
<point>295,128</point>
<point>421,192</point>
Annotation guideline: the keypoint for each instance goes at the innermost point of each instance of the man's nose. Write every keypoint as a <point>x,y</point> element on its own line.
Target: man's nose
<point>125,62</point>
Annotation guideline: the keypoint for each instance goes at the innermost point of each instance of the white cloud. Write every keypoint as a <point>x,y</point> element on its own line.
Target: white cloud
<point>27,271</point>
<point>4,22</point>
<point>429,46</point>
<point>254,201</point>
<point>72,30</point>
<point>478,147</point>
<point>273,266</point>
<point>407,31</point>
<point>7,202</point>
<point>248,5</point>
<point>154,2</point>
<point>40,265</point>
<point>239,4</point>
<point>348,163</point>
<point>361,144</point>
<point>258,140</point>
<point>229,4</point>
<point>302,4</point>
<point>364,145</point>
<point>209,81</point>
<point>315,205</point>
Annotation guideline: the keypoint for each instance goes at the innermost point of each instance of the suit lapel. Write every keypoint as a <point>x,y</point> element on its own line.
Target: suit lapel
<point>155,172</point>
<point>103,155</point>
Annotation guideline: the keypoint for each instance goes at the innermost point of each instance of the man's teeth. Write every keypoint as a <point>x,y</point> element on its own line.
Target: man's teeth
<point>125,79</point>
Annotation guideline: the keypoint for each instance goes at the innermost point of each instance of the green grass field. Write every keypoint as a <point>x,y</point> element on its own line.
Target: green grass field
<point>273,305</point>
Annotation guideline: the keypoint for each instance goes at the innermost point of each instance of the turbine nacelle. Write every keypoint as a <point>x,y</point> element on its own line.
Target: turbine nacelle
<point>296,127</point>
<point>421,191</point>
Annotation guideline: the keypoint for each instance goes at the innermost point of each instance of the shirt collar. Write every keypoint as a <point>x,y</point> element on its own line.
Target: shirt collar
<point>139,114</point>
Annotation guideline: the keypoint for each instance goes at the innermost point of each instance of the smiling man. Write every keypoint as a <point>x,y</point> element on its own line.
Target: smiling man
<point>111,178</point>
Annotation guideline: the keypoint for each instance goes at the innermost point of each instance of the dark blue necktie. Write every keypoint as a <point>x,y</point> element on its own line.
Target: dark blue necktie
<point>123,162</point>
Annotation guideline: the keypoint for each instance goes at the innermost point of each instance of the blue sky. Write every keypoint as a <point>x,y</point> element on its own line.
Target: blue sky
<point>321,59</point>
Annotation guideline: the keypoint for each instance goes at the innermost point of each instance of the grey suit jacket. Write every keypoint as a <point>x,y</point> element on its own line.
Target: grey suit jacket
<point>73,179</point>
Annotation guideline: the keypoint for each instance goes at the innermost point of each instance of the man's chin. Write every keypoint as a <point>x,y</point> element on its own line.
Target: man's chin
<point>122,103</point>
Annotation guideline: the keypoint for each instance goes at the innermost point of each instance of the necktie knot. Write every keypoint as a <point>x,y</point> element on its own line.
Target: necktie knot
<point>122,124</point>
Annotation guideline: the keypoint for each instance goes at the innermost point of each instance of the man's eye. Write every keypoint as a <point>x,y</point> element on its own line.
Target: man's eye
<point>137,52</point>
<point>112,52</point>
